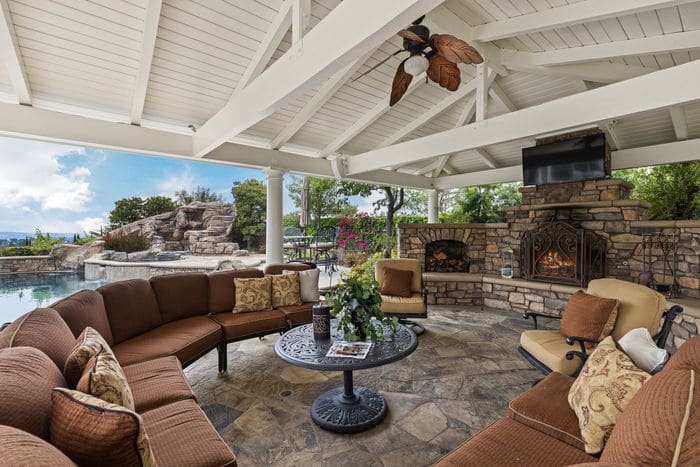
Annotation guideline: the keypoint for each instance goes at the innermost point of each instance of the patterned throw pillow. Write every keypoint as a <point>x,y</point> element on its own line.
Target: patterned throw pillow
<point>588,316</point>
<point>607,383</point>
<point>104,378</point>
<point>93,432</point>
<point>254,294</point>
<point>88,344</point>
<point>286,290</point>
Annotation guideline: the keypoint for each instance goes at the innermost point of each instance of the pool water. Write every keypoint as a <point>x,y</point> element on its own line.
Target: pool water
<point>20,293</point>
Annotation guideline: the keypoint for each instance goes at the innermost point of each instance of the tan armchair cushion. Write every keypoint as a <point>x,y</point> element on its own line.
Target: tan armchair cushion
<point>588,316</point>
<point>550,348</point>
<point>406,264</point>
<point>639,306</point>
<point>400,305</point>
<point>397,282</point>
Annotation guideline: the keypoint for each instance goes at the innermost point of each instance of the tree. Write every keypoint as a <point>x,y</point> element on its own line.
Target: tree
<point>201,194</point>
<point>485,203</point>
<point>326,197</point>
<point>250,197</point>
<point>673,190</point>
<point>128,210</point>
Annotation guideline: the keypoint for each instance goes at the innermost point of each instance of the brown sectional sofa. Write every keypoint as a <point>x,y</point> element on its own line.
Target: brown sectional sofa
<point>660,424</point>
<point>154,328</point>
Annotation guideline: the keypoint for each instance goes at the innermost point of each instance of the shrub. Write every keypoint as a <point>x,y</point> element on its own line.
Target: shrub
<point>78,240</point>
<point>42,244</point>
<point>126,243</point>
<point>16,251</point>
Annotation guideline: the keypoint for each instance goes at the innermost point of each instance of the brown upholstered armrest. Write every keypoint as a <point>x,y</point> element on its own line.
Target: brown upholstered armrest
<point>533,315</point>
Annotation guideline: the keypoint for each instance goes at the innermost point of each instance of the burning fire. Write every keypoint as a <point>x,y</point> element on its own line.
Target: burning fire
<point>553,264</point>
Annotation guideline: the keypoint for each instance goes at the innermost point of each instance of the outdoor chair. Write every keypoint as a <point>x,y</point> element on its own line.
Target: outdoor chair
<point>323,242</point>
<point>638,307</point>
<point>412,297</point>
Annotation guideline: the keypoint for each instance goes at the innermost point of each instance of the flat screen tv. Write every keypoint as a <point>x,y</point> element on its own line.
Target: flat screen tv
<point>572,160</point>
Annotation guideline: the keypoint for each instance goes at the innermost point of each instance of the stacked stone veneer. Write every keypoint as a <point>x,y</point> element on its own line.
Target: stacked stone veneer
<point>12,264</point>
<point>200,228</point>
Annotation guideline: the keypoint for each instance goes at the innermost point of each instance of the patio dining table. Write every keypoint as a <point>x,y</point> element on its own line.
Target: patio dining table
<point>298,245</point>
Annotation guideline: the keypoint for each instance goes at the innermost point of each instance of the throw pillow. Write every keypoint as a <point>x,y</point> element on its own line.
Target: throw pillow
<point>104,378</point>
<point>88,344</point>
<point>93,432</point>
<point>607,383</point>
<point>397,282</point>
<point>285,290</point>
<point>253,294</point>
<point>641,348</point>
<point>308,282</point>
<point>588,316</point>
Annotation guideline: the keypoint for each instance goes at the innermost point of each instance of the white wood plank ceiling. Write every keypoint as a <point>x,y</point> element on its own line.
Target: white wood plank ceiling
<point>210,78</point>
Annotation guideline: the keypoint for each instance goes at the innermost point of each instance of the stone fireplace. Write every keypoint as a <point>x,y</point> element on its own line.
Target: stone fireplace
<point>446,256</point>
<point>563,253</point>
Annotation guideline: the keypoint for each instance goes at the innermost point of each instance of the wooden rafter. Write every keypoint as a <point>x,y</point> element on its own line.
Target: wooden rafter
<point>597,72</point>
<point>680,125</point>
<point>148,45</point>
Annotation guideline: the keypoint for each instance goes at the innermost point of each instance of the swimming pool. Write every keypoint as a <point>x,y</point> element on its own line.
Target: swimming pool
<point>20,293</point>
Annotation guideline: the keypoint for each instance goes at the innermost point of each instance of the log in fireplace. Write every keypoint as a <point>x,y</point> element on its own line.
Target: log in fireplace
<point>446,256</point>
<point>561,252</point>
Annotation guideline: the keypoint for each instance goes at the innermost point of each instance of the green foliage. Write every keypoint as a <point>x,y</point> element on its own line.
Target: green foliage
<point>485,203</point>
<point>365,270</point>
<point>78,240</point>
<point>250,197</point>
<point>291,220</point>
<point>16,251</point>
<point>128,210</point>
<point>126,243</point>
<point>42,243</point>
<point>354,303</point>
<point>673,190</point>
<point>201,194</point>
<point>326,198</point>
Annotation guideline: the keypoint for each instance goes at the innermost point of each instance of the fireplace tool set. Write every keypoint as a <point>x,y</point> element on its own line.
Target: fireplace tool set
<point>661,246</point>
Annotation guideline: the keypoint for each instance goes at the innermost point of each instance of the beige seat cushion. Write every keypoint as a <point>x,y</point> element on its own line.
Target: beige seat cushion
<point>408,305</point>
<point>550,348</point>
<point>639,306</point>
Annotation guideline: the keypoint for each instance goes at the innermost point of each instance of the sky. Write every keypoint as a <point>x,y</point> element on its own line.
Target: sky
<point>65,189</point>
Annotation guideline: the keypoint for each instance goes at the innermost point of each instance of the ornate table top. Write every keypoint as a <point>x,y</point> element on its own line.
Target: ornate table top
<point>298,347</point>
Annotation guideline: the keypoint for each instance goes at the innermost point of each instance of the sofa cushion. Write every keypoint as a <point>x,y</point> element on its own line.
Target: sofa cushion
<point>82,309</point>
<point>286,290</point>
<point>253,294</point>
<point>397,282</point>
<point>545,407</point>
<point>94,432</point>
<point>238,325</point>
<point>147,380</point>
<point>222,292</point>
<point>104,378</point>
<point>88,344</point>
<point>687,356</point>
<point>181,295</point>
<point>20,448</point>
<point>279,268</point>
<point>26,379</point>
<point>607,383</point>
<point>549,347</point>
<point>186,339</point>
<point>507,442</point>
<point>588,316</point>
<point>181,434</point>
<point>131,308</point>
<point>300,314</point>
<point>660,425</point>
<point>413,305</point>
<point>44,329</point>
<point>308,284</point>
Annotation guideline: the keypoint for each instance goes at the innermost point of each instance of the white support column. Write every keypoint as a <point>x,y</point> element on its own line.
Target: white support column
<point>273,230</point>
<point>433,217</point>
<point>482,90</point>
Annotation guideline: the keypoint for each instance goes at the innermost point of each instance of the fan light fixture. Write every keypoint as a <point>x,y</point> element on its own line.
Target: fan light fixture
<point>416,64</point>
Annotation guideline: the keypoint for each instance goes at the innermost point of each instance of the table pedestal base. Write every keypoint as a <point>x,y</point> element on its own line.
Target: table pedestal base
<point>332,411</point>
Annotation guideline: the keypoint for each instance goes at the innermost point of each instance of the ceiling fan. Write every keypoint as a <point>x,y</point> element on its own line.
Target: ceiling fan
<point>437,55</point>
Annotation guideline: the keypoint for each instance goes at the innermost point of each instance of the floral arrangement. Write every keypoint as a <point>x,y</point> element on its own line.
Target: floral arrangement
<point>354,303</point>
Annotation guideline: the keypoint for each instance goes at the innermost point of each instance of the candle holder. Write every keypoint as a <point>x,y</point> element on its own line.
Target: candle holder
<point>321,321</point>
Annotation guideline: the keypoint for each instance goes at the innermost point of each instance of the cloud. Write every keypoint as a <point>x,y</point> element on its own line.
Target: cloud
<point>32,174</point>
<point>89,224</point>
<point>176,182</point>
<point>366,203</point>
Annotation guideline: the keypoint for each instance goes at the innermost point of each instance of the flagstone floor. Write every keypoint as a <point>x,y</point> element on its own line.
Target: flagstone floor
<point>462,376</point>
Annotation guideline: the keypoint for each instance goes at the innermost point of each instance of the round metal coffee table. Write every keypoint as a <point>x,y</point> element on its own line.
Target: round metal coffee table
<point>349,409</point>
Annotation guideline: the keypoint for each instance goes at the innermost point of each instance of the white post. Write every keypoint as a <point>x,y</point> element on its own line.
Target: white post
<point>273,230</point>
<point>433,207</point>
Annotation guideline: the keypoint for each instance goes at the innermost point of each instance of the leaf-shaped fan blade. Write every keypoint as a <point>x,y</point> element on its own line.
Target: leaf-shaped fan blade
<point>444,72</point>
<point>411,36</point>
<point>455,50</point>
<point>400,84</point>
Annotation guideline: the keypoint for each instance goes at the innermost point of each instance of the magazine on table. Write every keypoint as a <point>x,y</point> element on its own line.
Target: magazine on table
<point>349,349</point>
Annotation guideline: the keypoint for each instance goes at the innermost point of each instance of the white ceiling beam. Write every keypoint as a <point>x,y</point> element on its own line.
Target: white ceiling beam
<point>498,94</point>
<point>325,92</point>
<point>559,17</point>
<point>367,119</point>
<point>486,157</point>
<point>483,177</point>
<point>442,161</point>
<point>278,28</point>
<point>11,57</point>
<point>467,113</point>
<point>677,42</point>
<point>611,134</point>
<point>343,36</point>
<point>449,169</point>
<point>667,153</point>
<point>597,72</point>
<point>680,125</point>
<point>148,45</point>
<point>672,86</point>
<point>482,91</point>
<point>301,19</point>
